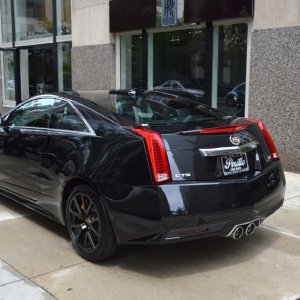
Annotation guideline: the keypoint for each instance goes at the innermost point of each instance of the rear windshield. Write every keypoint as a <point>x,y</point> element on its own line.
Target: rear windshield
<point>154,110</point>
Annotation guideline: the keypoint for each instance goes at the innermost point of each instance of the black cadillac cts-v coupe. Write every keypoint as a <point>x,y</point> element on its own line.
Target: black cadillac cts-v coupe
<point>146,168</point>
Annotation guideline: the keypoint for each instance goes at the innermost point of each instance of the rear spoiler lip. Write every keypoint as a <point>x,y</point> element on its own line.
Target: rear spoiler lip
<point>217,130</point>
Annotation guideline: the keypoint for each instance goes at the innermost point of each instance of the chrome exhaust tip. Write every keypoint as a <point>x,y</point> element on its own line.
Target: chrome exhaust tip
<point>250,229</point>
<point>238,233</point>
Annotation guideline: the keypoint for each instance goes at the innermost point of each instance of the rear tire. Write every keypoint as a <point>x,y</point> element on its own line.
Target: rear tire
<point>89,225</point>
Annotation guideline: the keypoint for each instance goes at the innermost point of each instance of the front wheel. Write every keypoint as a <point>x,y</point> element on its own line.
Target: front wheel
<point>89,226</point>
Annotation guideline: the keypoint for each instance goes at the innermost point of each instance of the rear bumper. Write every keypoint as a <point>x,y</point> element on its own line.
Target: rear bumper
<point>196,210</point>
<point>222,227</point>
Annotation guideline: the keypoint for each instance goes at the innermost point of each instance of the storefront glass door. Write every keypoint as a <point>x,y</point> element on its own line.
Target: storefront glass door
<point>40,70</point>
<point>179,62</point>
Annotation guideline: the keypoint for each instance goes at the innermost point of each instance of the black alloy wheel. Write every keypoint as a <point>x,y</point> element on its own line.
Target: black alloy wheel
<point>89,226</point>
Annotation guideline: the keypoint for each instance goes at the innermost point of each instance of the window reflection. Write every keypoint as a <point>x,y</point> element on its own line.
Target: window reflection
<point>64,117</point>
<point>6,25</point>
<point>63,17</point>
<point>9,79</point>
<point>64,66</point>
<point>34,19</point>
<point>131,62</point>
<point>232,68</point>
<point>35,113</point>
<point>40,65</point>
<point>179,63</point>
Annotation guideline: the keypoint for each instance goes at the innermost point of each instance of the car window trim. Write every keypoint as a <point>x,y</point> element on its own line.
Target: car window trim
<point>48,130</point>
<point>6,115</point>
<point>79,115</point>
<point>57,97</point>
<point>29,128</point>
<point>75,132</point>
<point>102,116</point>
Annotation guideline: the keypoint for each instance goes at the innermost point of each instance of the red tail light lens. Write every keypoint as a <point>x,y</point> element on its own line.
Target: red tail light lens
<point>268,138</point>
<point>157,154</point>
<point>224,130</point>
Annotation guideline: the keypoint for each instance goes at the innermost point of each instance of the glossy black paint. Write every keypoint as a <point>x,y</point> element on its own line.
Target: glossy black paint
<point>40,167</point>
<point>185,158</point>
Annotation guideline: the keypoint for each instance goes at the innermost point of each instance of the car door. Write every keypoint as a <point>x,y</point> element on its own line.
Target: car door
<point>23,139</point>
<point>65,155</point>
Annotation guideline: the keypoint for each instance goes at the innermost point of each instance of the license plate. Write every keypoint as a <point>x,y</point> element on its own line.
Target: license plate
<point>234,164</point>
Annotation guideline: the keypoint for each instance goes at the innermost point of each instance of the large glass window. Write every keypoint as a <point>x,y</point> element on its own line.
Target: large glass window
<point>176,62</point>
<point>131,61</point>
<point>232,68</point>
<point>34,19</point>
<point>35,113</point>
<point>9,79</point>
<point>64,117</point>
<point>6,24</point>
<point>179,62</point>
<point>63,17</point>
<point>64,66</point>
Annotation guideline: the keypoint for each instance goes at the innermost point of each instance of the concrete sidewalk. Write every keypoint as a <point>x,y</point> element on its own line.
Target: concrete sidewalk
<point>38,262</point>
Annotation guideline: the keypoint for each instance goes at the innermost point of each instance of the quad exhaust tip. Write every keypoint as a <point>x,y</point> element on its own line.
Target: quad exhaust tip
<point>250,229</point>
<point>243,229</point>
<point>238,233</point>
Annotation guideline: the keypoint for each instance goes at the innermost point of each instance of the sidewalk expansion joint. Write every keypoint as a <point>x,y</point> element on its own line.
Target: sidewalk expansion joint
<point>59,269</point>
<point>8,283</point>
<point>27,278</point>
<point>292,198</point>
<point>281,231</point>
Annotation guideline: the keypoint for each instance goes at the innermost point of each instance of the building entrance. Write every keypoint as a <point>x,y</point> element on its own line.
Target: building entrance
<point>37,69</point>
<point>40,71</point>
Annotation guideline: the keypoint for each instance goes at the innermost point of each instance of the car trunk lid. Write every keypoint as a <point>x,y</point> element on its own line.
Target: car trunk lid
<point>216,153</point>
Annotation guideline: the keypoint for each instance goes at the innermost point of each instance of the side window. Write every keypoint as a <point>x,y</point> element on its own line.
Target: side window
<point>100,125</point>
<point>35,113</point>
<point>64,117</point>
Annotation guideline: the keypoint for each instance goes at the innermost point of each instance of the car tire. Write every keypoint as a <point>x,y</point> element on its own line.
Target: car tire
<point>230,101</point>
<point>89,225</point>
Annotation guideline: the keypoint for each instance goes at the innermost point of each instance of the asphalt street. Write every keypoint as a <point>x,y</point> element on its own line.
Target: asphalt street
<point>37,262</point>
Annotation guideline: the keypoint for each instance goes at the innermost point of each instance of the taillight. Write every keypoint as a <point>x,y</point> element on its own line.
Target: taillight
<point>224,130</point>
<point>157,155</point>
<point>268,138</point>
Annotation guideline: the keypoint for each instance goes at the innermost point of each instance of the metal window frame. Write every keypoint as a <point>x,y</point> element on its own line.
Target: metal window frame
<point>65,131</point>
<point>34,43</point>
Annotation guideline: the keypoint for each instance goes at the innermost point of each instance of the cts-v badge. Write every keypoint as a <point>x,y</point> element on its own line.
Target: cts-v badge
<point>183,175</point>
<point>235,140</point>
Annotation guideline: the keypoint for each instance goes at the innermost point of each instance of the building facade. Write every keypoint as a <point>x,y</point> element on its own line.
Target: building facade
<point>35,48</point>
<point>208,47</point>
